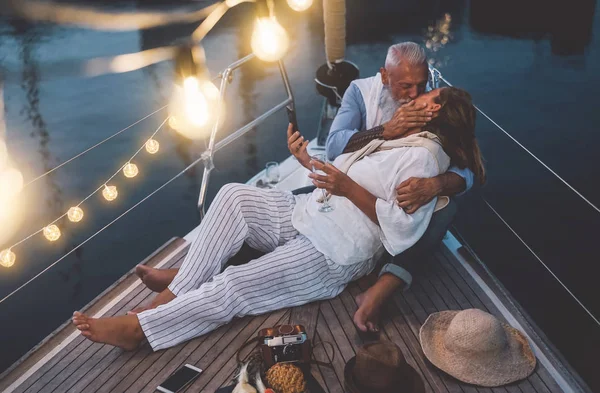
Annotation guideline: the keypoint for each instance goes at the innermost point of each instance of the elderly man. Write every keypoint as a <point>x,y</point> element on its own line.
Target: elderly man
<point>380,107</point>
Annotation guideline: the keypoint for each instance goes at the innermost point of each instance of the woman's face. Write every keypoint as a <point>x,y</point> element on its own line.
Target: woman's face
<point>429,100</point>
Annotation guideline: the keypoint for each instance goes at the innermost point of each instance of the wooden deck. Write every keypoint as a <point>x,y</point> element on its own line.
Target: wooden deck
<point>78,365</point>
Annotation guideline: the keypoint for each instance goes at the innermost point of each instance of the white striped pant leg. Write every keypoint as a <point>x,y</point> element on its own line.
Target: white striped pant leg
<point>238,213</point>
<point>294,274</point>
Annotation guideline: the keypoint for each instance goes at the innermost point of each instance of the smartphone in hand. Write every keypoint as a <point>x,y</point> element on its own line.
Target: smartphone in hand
<point>292,118</point>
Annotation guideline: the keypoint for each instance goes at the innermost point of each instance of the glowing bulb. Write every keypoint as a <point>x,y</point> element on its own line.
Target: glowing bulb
<point>51,232</point>
<point>7,258</point>
<point>3,155</point>
<point>110,193</point>
<point>75,214</point>
<point>196,106</point>
<point>192,108</point>
<point>269,40</point>
<point>130,170</point>
<point>152,145</point>
<point>299,5</point>
<point>11,183</point>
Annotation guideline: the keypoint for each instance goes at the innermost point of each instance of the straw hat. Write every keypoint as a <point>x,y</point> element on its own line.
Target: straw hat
<point>380,367</point>
<point>475,347</point>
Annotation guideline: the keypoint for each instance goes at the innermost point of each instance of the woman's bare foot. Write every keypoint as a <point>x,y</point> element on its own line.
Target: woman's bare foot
<point>124,331</point>
<point>162,298</point>
<point>156,280</point>
<point>367,316</point>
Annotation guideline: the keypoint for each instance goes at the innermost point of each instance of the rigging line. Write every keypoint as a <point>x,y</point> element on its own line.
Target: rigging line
<point>532,155</point>
<point>543,264</point>
<point>93,192</point>
<point>93,147</point>
<point>103,228</point>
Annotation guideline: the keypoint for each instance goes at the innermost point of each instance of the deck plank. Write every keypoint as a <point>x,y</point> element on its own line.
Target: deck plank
<point>467,290</point>
<point>224,349</point>
<point>441,284</point>
<point>332,383</point>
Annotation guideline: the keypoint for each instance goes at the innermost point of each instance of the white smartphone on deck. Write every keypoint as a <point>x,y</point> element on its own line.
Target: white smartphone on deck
<point>180,379</point>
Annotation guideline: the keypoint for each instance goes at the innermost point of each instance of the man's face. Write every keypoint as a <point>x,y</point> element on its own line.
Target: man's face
<point>406,82</point>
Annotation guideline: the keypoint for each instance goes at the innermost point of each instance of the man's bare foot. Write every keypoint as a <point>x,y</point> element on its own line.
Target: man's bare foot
<point>366,318</point>
<point>370,302</point>
<point>156,280</point>
<point>124,331</point>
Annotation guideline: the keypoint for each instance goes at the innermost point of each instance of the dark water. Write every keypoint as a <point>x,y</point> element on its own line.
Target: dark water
<point>531,66</point>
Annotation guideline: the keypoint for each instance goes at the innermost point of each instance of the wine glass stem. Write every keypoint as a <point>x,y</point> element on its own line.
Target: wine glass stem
<point>325,201</point>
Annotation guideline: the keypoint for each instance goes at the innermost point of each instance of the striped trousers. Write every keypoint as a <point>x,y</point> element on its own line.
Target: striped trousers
<point>292,272</point>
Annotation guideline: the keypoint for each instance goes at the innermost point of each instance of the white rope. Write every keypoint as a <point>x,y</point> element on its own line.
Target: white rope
<point>543,264</point>
<point>532,155</point>
<point>93,192</point>
<point>93,147</point>
<point>103,228</point>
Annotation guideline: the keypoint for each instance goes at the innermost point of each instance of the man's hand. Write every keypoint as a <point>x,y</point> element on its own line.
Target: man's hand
<point>408,116</point>
<point>297,146</point>
<point>334,181</point>
<point>415,192</point>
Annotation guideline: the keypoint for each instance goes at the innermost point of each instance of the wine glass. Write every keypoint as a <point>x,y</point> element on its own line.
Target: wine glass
<point>273,175</point>
<point>325,207</point>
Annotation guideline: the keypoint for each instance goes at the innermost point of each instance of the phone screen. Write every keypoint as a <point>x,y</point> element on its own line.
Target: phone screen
<point>180,379</point>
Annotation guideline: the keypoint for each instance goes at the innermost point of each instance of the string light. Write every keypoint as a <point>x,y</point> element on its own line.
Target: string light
<point>75,214</point>
<point>269,40</point>
<point>7,258</point>
<point>110,192</point>
<point>299,5</point>
<point>51,232</point>
<point>152,146</point>
<point>130,170</point>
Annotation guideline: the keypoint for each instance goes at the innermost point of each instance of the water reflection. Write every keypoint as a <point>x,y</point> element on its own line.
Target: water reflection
<point>568,26</point>
<point>436,37</point>
<point>29,37</point>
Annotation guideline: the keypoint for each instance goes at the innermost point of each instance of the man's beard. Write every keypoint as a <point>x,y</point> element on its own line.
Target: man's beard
<point>388,104</point>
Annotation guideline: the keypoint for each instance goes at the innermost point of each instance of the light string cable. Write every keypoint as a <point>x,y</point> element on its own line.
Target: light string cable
<point>201,158</point>
<point>94,146</point>
<point>93,192</point>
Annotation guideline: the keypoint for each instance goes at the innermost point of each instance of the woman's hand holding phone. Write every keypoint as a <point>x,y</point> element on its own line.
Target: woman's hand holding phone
<point>297,146</point>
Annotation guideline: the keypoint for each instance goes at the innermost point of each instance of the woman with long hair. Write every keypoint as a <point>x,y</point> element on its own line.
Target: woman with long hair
<point>310,255</point>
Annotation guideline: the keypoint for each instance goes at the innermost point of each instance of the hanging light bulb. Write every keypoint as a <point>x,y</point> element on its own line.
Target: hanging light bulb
<point>192,108</point>
<point>195,103</point>
<point>152,145</point>
<point>269,40</point>
<point>51,232</point>
<point>110,192</point>
<point>7,258</point>
<point>130,170</point>
<point>299,5</point>
<point>75,214</point>
<point>3,154</point>
<point>11,183</point>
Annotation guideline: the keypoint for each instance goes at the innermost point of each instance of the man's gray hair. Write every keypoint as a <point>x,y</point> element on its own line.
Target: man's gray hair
<point>407,53</point>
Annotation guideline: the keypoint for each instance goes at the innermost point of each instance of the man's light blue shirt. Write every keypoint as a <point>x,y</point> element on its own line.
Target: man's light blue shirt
<point>352,118</point>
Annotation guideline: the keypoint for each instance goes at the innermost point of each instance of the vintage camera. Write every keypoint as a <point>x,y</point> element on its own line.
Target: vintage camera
<point>285,343</point>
